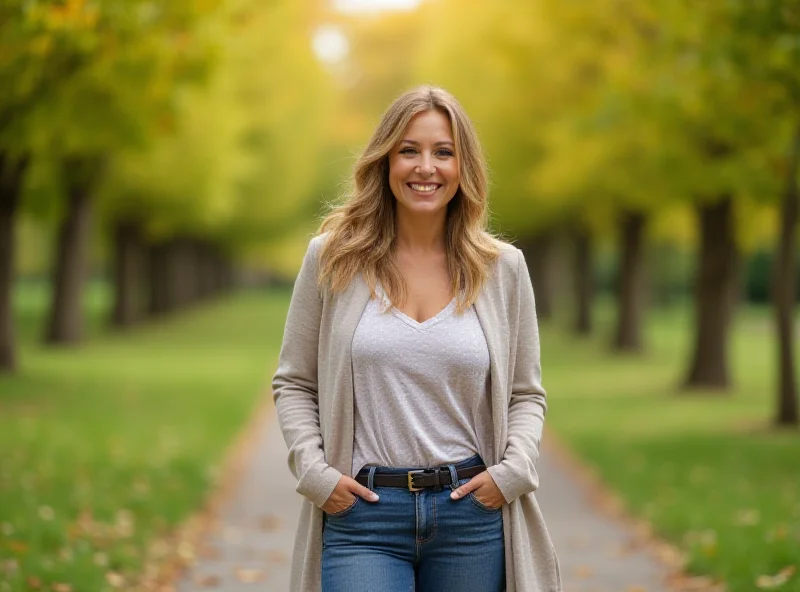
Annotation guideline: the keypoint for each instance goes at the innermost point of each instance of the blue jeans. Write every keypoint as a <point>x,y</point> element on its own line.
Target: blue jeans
<point>419,541</point>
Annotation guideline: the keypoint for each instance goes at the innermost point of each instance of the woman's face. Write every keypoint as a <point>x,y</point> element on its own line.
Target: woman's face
<point>423,169</point>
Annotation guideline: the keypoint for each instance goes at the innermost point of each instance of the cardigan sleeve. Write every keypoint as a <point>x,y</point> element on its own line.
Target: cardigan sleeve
<point>295,386</point>
<point>516,472</point>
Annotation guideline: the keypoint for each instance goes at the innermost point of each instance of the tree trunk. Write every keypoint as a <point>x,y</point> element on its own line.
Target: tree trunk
<point>206,255</point>
<point>715,295</point>
<point>157,273</point>
<point>186,273</point>
<point>630,288</point>
<point>11,175</point>
<point>584,282</point>
<point>128,274</point>
<point>538,251</point>
<point>783,290</point>
<point>174,293</point>
<point>65,324</point>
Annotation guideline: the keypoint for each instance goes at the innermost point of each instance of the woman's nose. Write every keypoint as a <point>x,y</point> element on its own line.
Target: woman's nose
<point>426,166</point>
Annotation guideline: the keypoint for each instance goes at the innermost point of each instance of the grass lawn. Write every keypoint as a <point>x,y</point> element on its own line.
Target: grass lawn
<point>705,470</point>
<point>111,444</point>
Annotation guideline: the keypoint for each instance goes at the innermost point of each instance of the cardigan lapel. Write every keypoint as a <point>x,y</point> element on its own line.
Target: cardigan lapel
<point>353,305</point>
<point>487,313</point>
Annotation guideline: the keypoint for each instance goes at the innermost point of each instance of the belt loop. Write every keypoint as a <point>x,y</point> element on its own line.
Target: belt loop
<point>371,478</point>
<point>453,476</point>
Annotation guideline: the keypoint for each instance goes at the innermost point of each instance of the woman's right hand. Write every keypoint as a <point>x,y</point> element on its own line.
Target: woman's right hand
<point>344,495</point>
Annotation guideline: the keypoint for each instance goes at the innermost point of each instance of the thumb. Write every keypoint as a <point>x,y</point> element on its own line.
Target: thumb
<point>468,487</point>
<point>363,492</point>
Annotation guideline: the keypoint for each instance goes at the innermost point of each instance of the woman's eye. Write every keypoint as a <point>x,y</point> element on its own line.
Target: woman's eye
<point>445,152</point>
<point>408,151</point>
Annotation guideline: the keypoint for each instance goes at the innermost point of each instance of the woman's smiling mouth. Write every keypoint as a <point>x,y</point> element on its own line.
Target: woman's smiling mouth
<point>424,188</point>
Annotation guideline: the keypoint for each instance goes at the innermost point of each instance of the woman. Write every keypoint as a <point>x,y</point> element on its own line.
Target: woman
<point>408,386</point>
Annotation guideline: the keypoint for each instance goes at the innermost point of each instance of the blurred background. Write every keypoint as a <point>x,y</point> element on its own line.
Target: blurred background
<point>163,165</point>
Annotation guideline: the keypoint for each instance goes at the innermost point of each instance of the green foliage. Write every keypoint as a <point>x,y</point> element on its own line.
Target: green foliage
<point>238,158</point>
<point>197,118</point>
<point>758,277</point>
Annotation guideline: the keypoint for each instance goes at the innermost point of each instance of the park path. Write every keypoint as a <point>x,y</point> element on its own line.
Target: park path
<point>251,549</point>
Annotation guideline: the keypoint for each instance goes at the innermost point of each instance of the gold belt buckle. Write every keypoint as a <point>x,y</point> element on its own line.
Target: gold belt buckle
<point>411,481</point>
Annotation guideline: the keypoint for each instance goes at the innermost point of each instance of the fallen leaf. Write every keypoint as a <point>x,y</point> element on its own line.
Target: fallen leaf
<point>9,566</point>
<point>779,533</point>
<point>115,580</point>
<point>186,550</point>
<point>269,523</point>
<point>34,583</point>
<point>209,552</point>
<point>695,584</point>
<point>747,517</point>
<point>208,581</point>
<point>766,582</point>
<point>584,572</point>
<point>18,546</point>
<point>62,588</point>
<point>249,575</point>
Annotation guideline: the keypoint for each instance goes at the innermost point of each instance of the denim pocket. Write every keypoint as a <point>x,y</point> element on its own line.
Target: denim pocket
<point>477,503</point>
<point>481,506</point>
<point>346,511</point>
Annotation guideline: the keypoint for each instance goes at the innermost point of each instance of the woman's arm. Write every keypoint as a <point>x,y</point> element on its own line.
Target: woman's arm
<point>516,473</point>
<point>295,387</point>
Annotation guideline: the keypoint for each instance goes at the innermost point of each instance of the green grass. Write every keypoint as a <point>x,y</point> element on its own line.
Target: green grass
<point>129,429</point>
<point>705,469</point>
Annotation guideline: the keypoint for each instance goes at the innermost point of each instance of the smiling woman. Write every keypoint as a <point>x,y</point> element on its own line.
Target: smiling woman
<point>454,364</point>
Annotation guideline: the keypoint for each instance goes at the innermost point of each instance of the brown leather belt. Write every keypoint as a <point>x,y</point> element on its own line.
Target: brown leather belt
<point>421,479</point>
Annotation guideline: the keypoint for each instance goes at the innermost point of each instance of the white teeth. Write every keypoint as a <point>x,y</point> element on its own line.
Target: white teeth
<point>423,188</point>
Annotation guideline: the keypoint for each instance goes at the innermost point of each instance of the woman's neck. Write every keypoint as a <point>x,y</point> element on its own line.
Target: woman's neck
<point>421,234</point>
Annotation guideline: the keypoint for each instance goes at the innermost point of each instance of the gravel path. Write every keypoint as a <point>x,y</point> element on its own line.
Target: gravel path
<point>252,550</point>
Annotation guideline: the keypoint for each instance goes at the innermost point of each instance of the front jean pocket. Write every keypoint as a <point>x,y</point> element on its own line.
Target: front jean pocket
<point>481,506</point>
<point>346,511</point>
<point>477,503</point>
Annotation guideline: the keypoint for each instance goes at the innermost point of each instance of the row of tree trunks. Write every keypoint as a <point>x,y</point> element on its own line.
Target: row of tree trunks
<point>631,282</point>
<point>178,273</point>
<point>583,280</point>
<point>783,289</point>
<point>129,270</point>
<point>11,175</point>
<point>716,286</point>
<point>181,272</point>
<point>539,253</point>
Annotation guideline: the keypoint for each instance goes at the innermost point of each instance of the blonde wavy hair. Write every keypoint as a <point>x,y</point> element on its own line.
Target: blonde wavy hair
<point>361,231</point>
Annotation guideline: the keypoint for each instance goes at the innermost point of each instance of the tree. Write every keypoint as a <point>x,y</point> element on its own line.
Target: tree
<point>39,58</point>
<point>766,47</point>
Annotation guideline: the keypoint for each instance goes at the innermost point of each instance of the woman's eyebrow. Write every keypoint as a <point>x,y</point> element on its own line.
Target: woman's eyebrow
<point>439,143</point>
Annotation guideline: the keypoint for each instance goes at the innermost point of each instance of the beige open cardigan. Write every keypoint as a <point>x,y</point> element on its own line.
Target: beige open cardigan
<point>313,390</point>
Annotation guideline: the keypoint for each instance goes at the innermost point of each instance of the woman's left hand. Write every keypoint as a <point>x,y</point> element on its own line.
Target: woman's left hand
<point>484,488</point>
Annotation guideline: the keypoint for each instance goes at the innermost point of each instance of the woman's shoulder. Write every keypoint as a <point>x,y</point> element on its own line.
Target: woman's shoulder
<point>509,256</point>
<point>315,244</point>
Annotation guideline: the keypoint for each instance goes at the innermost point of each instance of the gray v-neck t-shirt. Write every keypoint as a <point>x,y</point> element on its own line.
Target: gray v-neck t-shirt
<point>421,389</point>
